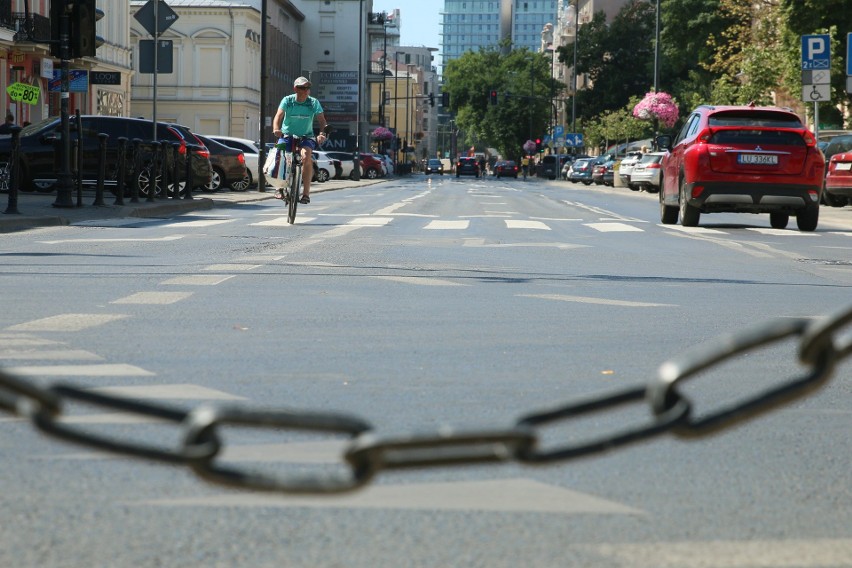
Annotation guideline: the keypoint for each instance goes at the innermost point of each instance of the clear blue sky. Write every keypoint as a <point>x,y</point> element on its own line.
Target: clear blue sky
<point>420,20</point>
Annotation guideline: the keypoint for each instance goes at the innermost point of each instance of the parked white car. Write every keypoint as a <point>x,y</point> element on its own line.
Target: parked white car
<point>326,167</point>
<point>626,168</point>
<point>347,163</point>
<point>387,161</point>
<point>250,150</point>
<point>646,173</point>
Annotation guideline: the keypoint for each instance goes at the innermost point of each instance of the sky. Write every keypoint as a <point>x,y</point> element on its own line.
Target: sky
<point>420,21</point>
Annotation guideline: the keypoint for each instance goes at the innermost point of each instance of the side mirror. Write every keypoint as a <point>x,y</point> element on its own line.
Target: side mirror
<point>664,142</point>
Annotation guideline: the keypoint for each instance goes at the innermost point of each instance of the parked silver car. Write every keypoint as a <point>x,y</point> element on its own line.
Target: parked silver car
<point>646,173</point>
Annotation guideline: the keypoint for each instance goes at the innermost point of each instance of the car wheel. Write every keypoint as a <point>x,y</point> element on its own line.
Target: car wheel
<point>243,184</point>
<point>215,181</point>
<point>587,183</point>
<point>808,218</point>
<point>372,174</point>
<point>143,181</point>
<point>689,215</point>
<point>323,175</point>
<point>633,187</point>
<point>779,220</point>
<point>668,213</point>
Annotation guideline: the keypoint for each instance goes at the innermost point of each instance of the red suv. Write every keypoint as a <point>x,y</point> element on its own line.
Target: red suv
<point>745,159</point>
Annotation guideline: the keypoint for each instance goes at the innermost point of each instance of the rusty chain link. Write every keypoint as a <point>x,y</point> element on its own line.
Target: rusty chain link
<point>821,346</point>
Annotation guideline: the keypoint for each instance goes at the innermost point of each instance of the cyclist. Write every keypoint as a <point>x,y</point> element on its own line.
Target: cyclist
<point>295,117</point>
<point>525,165</point>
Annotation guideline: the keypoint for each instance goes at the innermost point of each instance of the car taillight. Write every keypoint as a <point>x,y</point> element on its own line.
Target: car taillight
<point>697,190</point>
<point>241,158</point>
<point>182,149</point>
<point>705,136</point>
<point>810,140</point>
<point>653,166</point>
<point>205,153</point>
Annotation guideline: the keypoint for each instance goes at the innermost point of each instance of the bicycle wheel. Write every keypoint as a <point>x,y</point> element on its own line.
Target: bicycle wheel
<point>293,191</point>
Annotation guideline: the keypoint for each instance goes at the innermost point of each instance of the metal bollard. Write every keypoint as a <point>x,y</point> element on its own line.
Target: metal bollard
<point>175,170</point>
<point>13,169</point>
<point>79,122</point>
<point>163,150</point>
<point>134,183</point>
<point>99,192</point>
<point>189,177</point>
<point>120,173</point>
<point>153,170</point>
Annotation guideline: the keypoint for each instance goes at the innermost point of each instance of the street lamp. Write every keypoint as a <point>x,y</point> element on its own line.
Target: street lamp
<point>552,51</point>
<point>657,50</point>
<point>574,69</point>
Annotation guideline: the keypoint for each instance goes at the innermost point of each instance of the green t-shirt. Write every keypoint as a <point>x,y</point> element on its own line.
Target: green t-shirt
<point>299,117</point>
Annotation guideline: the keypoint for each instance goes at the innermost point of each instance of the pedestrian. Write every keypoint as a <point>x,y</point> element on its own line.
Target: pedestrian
<point>6,127</point>
<point>295,117</point>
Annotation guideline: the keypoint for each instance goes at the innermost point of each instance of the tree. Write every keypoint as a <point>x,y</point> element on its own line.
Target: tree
<point>524,86</point>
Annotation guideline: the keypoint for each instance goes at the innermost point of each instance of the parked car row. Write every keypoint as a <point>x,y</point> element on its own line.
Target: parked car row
<point>39,157</point>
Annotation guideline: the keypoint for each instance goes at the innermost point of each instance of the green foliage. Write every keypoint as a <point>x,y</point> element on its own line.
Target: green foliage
<point>525,89</point>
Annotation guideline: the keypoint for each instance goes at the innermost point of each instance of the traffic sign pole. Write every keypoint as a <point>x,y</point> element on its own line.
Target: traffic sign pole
<point>64,181</point>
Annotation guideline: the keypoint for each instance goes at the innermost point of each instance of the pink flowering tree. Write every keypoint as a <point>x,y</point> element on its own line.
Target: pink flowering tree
<point>657,106</point>
<point>382,134</point>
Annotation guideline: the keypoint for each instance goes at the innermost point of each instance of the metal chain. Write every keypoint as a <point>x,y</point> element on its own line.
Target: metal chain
<point>821,346</point>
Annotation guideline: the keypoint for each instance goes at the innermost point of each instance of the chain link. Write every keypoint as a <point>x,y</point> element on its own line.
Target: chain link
<point>821,346</point>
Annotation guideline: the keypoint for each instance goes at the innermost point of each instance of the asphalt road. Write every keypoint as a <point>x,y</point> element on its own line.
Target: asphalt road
<point>417,305</point>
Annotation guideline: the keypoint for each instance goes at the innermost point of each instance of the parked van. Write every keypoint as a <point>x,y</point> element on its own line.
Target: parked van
<point>550,166</point>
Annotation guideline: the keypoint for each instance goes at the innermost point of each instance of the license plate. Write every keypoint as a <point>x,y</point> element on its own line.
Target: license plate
<point>758,159</point>
<point>843,166</point>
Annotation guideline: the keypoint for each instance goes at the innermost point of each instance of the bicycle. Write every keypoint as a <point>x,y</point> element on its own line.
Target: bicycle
<point>293,186</point>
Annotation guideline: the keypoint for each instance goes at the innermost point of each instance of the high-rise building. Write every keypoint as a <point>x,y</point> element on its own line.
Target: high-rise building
<point>471,25</point>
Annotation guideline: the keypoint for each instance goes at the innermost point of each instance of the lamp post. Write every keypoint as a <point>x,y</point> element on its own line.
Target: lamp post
<point>552,51</point>
<point>574,69</point>
<point>657,50</point>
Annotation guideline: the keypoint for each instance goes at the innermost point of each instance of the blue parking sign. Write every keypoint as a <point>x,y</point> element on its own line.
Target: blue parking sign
<point>816,52</point>
<point>849,53</point>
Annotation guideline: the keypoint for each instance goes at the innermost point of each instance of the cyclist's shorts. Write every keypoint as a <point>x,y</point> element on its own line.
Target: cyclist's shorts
<point>306,143</point>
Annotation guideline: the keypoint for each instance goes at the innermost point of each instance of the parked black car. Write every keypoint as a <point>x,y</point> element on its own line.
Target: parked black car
<point>39,157</point>
<point>467,166</point>
<point>229,165</point>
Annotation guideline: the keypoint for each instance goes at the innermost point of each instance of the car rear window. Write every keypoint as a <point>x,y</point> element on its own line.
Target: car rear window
<point>754,118</point>
<point>839,145</point>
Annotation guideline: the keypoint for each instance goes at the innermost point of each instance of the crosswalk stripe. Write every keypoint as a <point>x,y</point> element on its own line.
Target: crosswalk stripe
<point>613,227</point>
<point>198,280</point>
<point>49,355</point>
<point>153,298</point>
<point>200,223</point>
<point>105,370</point>
<point>232,267</point>
<point>519,224</point>
<point>67,322</point>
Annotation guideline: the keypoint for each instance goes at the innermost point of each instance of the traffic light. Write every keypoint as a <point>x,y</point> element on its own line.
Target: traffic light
<point>538,148</point>
<point>493,97</point>
<point>82,15</point>
<point>431,99</point>
<point>445,100</point>
<point>84,42</point>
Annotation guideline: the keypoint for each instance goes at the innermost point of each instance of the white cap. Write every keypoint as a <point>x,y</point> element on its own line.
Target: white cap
<point>301,82</point>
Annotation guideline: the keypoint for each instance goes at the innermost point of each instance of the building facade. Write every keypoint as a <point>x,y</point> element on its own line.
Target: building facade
<point>213,82</point>
<point>99,85</point>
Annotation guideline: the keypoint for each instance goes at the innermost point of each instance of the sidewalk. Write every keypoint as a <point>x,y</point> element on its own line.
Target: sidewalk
<point>37,210</point>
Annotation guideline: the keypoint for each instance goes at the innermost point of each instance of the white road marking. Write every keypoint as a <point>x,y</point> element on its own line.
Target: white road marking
<point>198,280</point>
<point>780,232</point>
<point>447,225</point>
<point>698,230</point>
<point>127,240</point>
<point>20,340</point>
<point>602,301</point>
<point>48,355</point>
<point>153,298</point>
<point>67,322</point>
<point>277,222</point>
<point>105,370</point>
<point>177,391</point>
<point>613,227</point>
<point>500,495</point>
<point>234,267</point>
<point>518,224</point>
<point>420,281</point>
<point>370,221</point>
<point>482,244</point>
